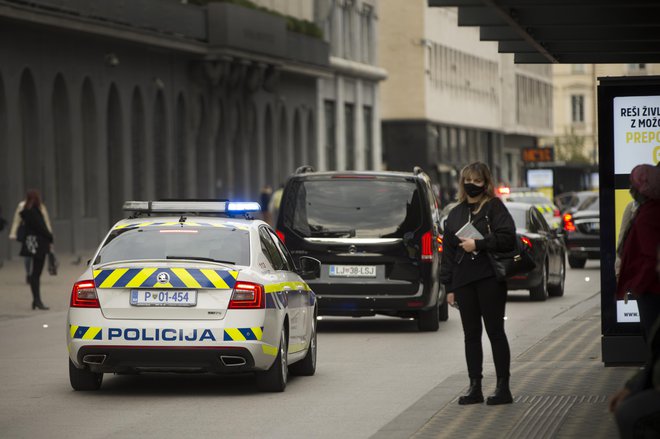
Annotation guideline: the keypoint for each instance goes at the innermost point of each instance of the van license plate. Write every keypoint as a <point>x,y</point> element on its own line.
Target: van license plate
<point>352,271</point>
<point>163,297</point>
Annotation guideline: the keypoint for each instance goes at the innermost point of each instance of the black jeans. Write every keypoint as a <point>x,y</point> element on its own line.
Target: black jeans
<point>37,268</point>
<point>484,299</point>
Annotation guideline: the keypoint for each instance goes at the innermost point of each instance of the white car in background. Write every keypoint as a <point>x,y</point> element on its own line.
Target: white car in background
<point>192,287</point>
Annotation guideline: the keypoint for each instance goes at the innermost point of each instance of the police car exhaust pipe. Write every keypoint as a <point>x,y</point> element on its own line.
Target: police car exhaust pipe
<point>95,360</point>
<point>230,360</point>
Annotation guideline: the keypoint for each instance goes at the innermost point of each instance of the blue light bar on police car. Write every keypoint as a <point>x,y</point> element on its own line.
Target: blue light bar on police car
<point>243,206</point>
<point>191,206</point>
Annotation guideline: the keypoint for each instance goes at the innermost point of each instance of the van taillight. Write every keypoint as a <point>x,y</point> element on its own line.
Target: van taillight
<point>247,295</point>
<point>83,295</point>
<point>280,235</point>
<point>427,247</point>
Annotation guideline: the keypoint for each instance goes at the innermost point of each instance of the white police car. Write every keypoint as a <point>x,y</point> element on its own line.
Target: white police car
<point>192,287</point>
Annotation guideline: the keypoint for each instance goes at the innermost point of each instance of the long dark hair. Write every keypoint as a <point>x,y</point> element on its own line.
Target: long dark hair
<point>32,199</point>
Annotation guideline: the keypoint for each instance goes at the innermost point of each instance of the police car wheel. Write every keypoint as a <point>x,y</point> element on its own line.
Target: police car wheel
<point>84,379</point>
<point>275,378</point>
<point>307,366</point>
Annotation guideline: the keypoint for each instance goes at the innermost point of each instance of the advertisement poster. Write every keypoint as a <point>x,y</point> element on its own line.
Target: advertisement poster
<point>636,125</point>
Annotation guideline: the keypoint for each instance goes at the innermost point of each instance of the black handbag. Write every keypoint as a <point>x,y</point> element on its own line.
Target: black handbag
<point>517,261</point>
<point>21,232</point>
<point>52,264</point>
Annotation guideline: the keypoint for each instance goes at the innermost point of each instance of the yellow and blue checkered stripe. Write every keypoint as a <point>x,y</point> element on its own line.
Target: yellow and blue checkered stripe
<point>179,278</point>
<point>85,332</point>
<point>278,298</point>
<point>244,334</point>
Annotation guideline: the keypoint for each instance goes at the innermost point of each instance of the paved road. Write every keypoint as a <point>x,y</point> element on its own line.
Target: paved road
<point>369,371</point>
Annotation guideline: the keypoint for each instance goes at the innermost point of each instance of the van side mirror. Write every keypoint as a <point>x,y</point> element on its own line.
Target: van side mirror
<point>310,268</point>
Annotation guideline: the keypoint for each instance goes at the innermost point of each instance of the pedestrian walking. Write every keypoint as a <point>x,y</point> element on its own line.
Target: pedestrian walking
<point>469,277</point>
<point>37,243</point>
<point>17,230</point>
<point>637,275</point>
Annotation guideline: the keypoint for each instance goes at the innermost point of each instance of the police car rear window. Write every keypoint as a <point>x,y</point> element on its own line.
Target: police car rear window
<point>531,199</point>
<point>353,208</point>
<point>191,243</point>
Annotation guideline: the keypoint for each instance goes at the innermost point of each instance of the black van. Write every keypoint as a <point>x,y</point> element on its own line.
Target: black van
<point>376,235</point>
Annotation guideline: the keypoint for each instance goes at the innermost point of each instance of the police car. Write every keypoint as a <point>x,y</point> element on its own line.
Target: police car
<point>192,287</point>
<point>538,199</point>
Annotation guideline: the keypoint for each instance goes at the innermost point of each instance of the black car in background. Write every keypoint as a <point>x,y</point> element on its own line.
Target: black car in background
<point>548,251</point>
<point>570,201</point>
<point>376,235</point>
<point>582,228</point>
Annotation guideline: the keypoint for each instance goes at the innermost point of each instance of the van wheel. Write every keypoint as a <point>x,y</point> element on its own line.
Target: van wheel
<point>444,311</point>
<point>428,320</point>
<point>84,379</point>
<point>539,293</point>
<point>307,366</point>
<point>275,378</point>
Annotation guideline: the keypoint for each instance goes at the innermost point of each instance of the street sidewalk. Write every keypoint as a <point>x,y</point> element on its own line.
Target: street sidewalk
<point>560,387</point>
<point>15,295</point>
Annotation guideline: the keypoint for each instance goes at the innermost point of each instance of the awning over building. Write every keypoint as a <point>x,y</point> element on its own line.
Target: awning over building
<point>566,31</point>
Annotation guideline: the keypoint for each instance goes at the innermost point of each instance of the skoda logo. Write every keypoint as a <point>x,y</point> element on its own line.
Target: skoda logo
<point>352,249</point>
<point>163,277</point>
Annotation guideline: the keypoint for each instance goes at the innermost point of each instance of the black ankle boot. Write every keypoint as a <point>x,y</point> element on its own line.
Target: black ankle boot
<point>502,393</point>
<point>474,395</point>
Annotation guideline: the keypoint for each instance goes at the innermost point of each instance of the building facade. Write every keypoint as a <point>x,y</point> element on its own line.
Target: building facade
<point>451,99</point>
<point>575,106</point>
<point>101,102</point>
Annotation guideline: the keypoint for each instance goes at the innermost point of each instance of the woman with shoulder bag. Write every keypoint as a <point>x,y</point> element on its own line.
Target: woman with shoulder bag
<point>470,279</point>
<point>36,245</point>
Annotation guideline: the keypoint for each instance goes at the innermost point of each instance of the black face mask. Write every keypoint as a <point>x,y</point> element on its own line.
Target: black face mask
<point>473,190</point>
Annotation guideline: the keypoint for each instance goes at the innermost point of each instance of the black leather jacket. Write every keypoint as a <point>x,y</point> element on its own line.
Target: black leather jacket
<point>500,238</point>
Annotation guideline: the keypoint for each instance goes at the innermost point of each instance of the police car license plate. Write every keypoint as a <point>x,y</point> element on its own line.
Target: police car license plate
<point>163,297</point>
<point>353,271</point>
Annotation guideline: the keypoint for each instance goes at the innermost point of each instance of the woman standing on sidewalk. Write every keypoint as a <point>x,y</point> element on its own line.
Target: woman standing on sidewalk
<point>469,277</point>
<point>36,245</point>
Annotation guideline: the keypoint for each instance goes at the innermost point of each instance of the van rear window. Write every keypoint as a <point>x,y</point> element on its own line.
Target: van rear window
<point>353,208</point>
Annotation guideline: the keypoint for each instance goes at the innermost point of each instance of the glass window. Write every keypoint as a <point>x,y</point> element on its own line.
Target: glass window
<point>591,203</point>
<point>519,216</point>
<point>270,250</point>
<point>188,242</point>
<point>330,139</point>
<point>577,108</point>
<point>349,129</point>
<point>354,208</point>
<point>284,253</point>
<point>539,220</point>
<point>368,137</point>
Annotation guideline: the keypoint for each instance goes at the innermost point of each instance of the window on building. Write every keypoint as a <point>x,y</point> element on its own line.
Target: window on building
<point>577,108</point>
<point>368,137</point>
<point>347,24</point>
<point>349,130</point>
<point>330,139</point>
<point>367,33</point>
<point>636,67</point>
<point>577,68</point>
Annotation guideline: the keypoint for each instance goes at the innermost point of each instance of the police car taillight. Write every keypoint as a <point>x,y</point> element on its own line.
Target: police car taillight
<point>83,295</point>
<point>247,295</point>
<point>427,247</point>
